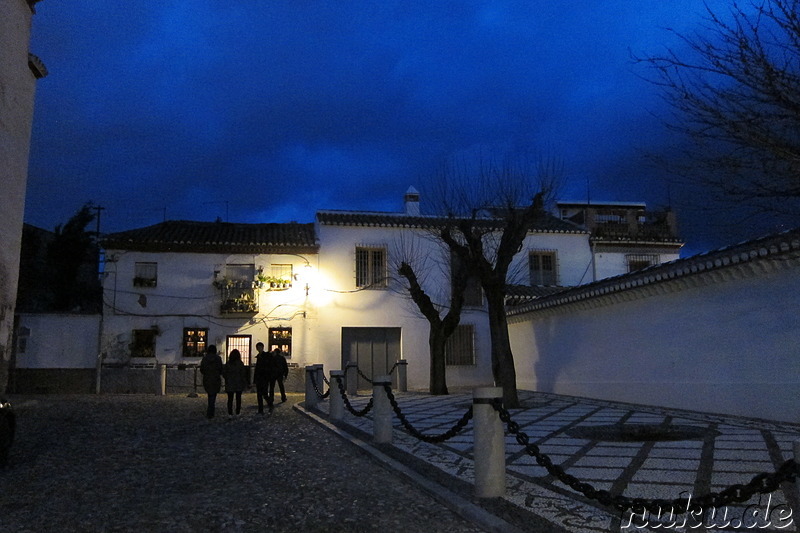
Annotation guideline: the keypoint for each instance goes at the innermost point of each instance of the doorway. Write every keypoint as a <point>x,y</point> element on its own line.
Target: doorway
<point>375,350</point>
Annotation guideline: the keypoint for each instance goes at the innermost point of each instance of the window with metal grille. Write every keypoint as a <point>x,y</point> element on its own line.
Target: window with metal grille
<point>371,268</point>
<point>460,347</point>
<point>543,270</point>
<point>241,343</point>
<point>143,343</point>
<point>281,272</point>
<point>145,274</point>
<point>640,261</point>
<point>195,342</point>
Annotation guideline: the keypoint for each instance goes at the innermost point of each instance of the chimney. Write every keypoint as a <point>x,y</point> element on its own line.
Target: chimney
<point>411,201</point>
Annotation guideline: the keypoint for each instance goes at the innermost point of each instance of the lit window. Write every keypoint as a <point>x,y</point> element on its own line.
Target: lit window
<point>371,268</point>
<point>543,268</point>
<point>460,347</point>
<point>195,342</point>
<point>280,338</point>
<point>145,274</point>
<point>144,343</point>
<point>281,272</point>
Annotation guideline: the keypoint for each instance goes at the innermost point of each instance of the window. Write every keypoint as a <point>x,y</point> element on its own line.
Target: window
<point>371,268</point>
<point>280,338</point>
<point>640,261</point>
<point>460,347</point>
<point>473,293</point>
<point>145,274</point>
<point>195,342</point>
<point>237,289</point>
<point>281,272</point>
<point>241,343</point>
<point>543,268</point>
<point>143,343</point>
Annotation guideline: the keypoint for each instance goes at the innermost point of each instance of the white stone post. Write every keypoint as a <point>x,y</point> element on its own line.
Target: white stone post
<point>381,410</point>
<point>162,379</point>
<point>351,376</point>
<point>337,403</point>
<point>402,375</point>
<point>311,394</point>
<point>489,446</point>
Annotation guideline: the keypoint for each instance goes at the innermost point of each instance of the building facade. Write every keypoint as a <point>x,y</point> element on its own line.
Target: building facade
<point>19,70</point>
<point>324,293</point>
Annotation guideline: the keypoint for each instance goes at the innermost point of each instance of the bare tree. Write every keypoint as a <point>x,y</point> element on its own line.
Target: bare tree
<point>414,265</point>
<point>734,91</point>
<point>488,210</point>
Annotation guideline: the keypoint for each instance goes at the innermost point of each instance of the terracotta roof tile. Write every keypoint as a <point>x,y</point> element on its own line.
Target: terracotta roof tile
<point>216,237</point>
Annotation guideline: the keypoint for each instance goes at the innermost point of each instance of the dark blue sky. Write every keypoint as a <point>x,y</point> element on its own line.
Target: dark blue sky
<point>261,111</point>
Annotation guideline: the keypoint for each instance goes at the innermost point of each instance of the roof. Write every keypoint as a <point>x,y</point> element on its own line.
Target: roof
<point>520,294</point>
<point>773,246</point>
<point>216,237</point>
<point>616,205</point>
<point>547,223</point>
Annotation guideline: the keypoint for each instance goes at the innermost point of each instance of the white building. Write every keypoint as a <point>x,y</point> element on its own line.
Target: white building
<point>324,293</point>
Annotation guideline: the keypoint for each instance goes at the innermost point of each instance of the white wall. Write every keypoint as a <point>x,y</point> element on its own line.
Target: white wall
<point>58,341</point>
<point>718,344</point>
<point>185,297</point>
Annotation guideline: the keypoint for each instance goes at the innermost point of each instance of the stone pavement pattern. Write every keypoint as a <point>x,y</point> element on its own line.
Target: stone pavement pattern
<point>727,450</point>
<point>118,463</point>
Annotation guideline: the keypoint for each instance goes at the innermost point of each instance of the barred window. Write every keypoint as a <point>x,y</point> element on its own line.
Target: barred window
<point>460,347</point>
<point>145,274</point>
<point>543,270</point>
<point>640,261</point>
<point>282,272</point>
<point>371,267</point>
<point>144,343</point>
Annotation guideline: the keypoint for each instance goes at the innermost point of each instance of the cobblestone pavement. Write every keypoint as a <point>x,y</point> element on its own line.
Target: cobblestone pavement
<point>117,463</point>
<point>712,453</point>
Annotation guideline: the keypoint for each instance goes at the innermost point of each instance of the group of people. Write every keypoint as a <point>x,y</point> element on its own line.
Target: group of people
<point>271,368</point>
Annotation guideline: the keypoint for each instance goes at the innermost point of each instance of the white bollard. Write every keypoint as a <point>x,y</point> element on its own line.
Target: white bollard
<point>162,380</point>
<point>311,393</point>
<point>402,375</point>
<point>489,445</point>
<point>351,377</point>
<point>337,403</point>
<point>381,410</point>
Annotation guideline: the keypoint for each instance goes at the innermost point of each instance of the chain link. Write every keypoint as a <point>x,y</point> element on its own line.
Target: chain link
<point>347,404</point>
<point>314,383</point>
<point>760,484</point>
<point>450,433</point>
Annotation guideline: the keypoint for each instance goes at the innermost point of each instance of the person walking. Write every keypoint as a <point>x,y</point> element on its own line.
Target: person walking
<point>235,380</point>
<point>284,373</point>
<point>260,375</point>
<point>273,371</point>
<point>211,369</point>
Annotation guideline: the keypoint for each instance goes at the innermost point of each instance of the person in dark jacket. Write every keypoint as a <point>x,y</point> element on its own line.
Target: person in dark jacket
<point>273,371</point>
<point>260,375</point>
<point>211,368</point>
<point>284,373</point>
<point>235,374</point>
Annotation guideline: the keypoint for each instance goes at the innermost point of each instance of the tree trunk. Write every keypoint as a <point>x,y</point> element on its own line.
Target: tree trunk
<point>502,359</point>
<point>436,343</point>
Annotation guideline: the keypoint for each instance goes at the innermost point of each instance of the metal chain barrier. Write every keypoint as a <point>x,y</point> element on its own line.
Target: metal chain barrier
<point>347,404</point>
<point>360,373</point>
<point>452,432</point>
<point>760,484</point>
<point>314,384</point>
